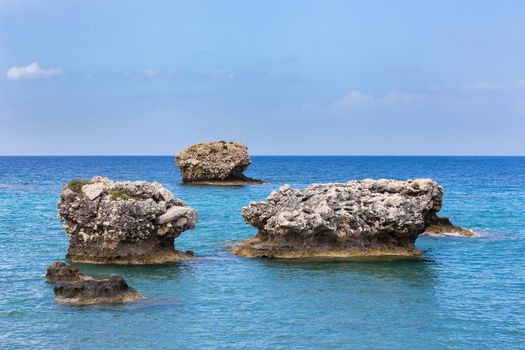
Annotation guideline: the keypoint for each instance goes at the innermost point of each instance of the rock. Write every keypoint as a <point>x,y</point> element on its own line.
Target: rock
<point>215,163</point>
<point>357,218</point>
<point>92,191</point>
<point>89,291</point>
<point>59,272</point>
<point>75,288</point>
<point>123,222</point>
<point>176,214</point>
<point>443,226</point>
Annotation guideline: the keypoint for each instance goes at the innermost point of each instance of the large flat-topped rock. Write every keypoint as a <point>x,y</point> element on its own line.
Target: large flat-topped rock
<point>356,218</point>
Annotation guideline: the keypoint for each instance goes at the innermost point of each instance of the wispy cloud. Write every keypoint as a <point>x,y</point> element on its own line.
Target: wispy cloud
<point>506,95</point>
<point>32,72</point>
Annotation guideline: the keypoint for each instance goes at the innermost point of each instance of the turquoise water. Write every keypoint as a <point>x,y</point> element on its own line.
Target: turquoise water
<point>461,294</point>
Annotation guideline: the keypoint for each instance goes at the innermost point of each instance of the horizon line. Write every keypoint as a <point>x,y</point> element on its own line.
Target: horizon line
<point>270,155</point>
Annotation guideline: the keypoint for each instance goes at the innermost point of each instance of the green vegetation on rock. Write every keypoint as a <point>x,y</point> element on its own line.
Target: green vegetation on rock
<point>75,185</point>
<point>117,194</point>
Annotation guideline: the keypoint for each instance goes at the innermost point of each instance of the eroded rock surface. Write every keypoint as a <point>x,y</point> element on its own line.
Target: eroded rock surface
<point>215,163</point>
<point>75,288</point>
<point>123,222</point>
<point>113,290</point>
<point>357,218</point>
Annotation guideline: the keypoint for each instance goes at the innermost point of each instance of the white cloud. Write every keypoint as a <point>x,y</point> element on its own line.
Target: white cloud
<point>223,74</point>
<point>32,71</point>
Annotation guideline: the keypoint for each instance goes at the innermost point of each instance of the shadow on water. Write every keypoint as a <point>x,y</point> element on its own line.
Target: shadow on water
<point>148,304</point>
<point>411,270</point>
<point>168,271</point>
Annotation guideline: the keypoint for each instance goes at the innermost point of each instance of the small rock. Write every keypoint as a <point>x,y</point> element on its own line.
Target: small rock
<point>443,226</point>
<point>75,288</point>
<point>90,291</point>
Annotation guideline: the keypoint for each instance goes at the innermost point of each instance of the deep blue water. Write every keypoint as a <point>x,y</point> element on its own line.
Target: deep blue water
<point>463,293</point>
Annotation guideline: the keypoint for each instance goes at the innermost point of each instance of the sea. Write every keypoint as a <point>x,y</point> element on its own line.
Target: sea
<point>461,293</point>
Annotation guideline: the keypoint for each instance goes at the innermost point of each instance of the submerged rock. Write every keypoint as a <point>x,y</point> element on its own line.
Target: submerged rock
<point>123,222</point>
<point>443,226</point>
<point>357,218</point>
<point>61,272</point>
<point>215,163</point>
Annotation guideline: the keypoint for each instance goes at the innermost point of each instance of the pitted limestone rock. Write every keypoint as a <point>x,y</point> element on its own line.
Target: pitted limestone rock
<point>123,222</point>
<point>221,163</point>
<point>356,218</point>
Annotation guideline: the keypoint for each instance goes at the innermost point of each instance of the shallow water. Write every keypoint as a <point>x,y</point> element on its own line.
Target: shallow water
<point>463,293</point>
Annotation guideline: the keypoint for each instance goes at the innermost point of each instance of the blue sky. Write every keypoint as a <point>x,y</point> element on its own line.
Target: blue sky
<point>284,77</point>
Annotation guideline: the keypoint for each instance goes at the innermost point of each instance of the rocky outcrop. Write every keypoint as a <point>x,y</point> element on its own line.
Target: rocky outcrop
<point>123,222</point>
<point>357,218</point>
<point>91,291</point>
<point>443,226</point>
<point>61,272</point>
<point>75,288</point>
<point>215,163</point>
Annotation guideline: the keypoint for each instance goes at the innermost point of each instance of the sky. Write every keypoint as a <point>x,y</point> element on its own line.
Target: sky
<point>284,77</point>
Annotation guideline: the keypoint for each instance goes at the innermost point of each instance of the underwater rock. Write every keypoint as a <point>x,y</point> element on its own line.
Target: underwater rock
<point>90,291</point>
<point>123,222</point>
<point>60,272</point>
<point>215,163</point>
<point>443,226</point>
<point>356,218</point>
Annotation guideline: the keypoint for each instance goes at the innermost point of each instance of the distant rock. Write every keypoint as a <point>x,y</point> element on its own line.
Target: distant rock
<point>356,218</point>
<point>215,163</point>
<point>123,222</point>
<point>61,272</point>
<point>443,226</point>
